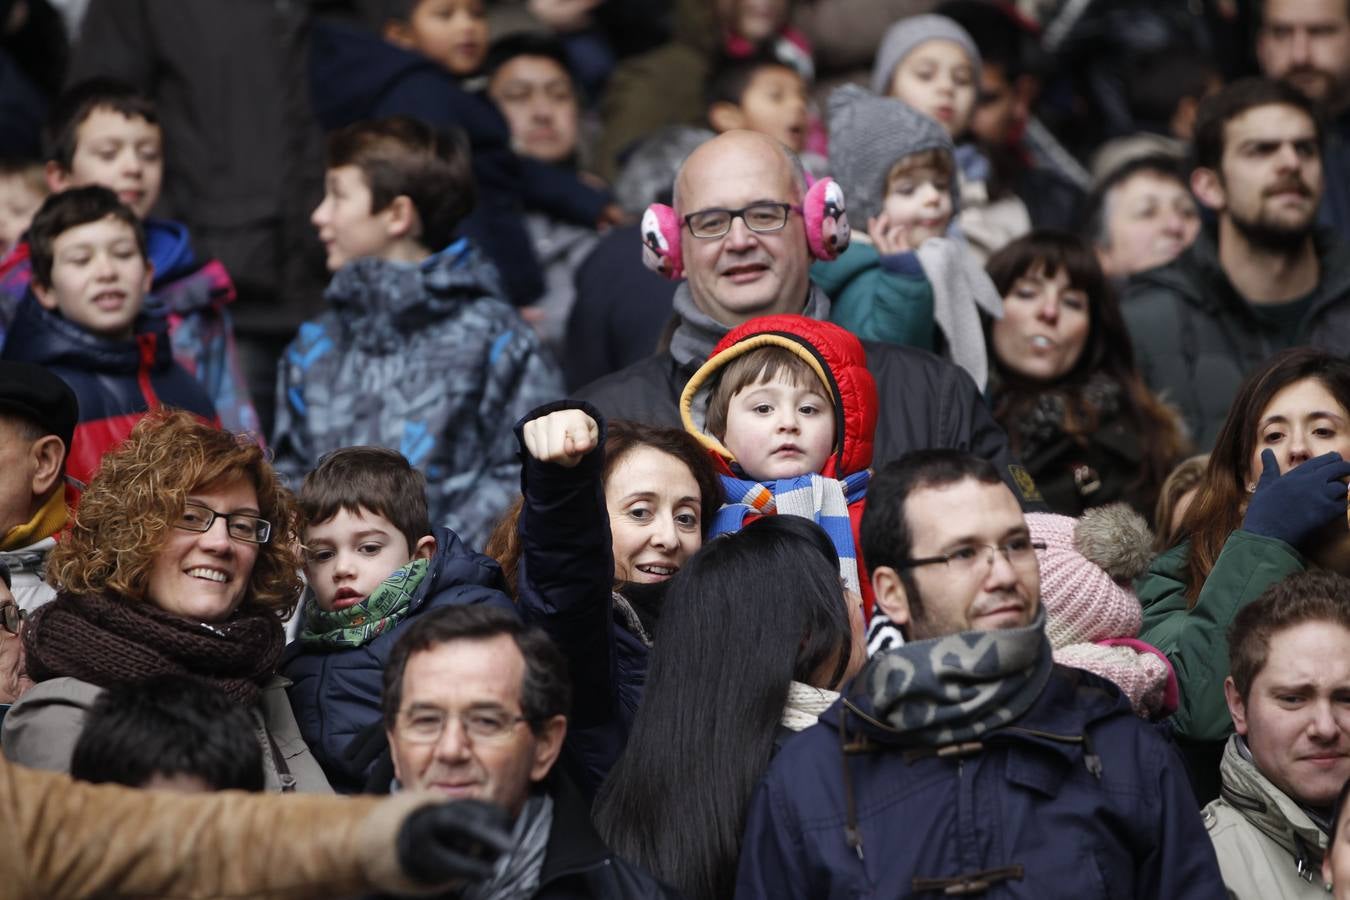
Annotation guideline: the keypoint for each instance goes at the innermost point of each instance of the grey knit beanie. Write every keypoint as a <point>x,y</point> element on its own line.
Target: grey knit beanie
<point>910,32</point>
<point>869,135</point>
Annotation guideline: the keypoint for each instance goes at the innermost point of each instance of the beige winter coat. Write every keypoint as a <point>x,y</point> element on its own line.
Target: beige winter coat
<point>41,729</point>
<point>1268,848</point>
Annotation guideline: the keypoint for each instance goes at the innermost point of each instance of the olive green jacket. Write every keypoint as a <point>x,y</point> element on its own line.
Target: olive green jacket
<point>1195,641</point>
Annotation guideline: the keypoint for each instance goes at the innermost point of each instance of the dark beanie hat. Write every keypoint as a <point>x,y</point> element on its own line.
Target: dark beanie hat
<point>35,394</point>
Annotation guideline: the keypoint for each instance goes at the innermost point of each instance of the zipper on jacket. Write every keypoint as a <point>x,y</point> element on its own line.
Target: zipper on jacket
<point>146,343</point>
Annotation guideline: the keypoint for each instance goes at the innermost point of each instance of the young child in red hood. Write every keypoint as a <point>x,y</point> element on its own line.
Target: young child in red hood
<point>787,408</point>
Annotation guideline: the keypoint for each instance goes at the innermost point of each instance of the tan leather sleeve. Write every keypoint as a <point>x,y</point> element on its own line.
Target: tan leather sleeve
<point>67,839</point>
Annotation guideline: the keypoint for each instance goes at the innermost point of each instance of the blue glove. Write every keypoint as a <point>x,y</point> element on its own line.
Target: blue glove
<point>1292,507</point>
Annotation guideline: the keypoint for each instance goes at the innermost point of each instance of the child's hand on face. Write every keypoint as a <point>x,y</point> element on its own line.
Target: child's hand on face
<point>561,437</point>
<point>888,236</point>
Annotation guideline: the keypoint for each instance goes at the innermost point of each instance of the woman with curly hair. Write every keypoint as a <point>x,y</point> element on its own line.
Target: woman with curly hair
<point>182,561</point>
<point>1065,386</point>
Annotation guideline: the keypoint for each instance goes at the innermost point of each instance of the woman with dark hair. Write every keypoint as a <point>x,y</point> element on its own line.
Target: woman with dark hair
<point>1272,501</point>
<point>754,618</point>
<point>1065,386</point>
<point>609,516</point>
<point>182,562</point>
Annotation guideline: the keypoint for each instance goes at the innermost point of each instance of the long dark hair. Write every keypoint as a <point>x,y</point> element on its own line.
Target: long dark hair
<point>1107,351</point>
<point>1221,499</point>
<point>748,614</point>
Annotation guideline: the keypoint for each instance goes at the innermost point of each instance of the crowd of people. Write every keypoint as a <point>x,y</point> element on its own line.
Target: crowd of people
<point>709,449</point>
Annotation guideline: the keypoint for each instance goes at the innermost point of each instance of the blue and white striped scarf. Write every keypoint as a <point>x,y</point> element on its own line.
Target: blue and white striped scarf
<point>824,501</point>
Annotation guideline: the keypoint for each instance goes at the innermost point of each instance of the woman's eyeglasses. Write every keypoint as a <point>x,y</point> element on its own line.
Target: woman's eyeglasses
<point>241,526</point>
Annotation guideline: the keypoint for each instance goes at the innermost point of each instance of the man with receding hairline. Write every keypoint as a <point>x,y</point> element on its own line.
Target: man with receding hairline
<point>744,273</point>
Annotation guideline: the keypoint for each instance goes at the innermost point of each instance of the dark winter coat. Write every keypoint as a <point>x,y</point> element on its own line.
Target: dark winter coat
<point>335,692</point>
<point>244,167</point>
<point>566,587</point>
<point>424,358</point>
<point>1077,798</point>
<point>116,382</point>
<point>1195,338</point>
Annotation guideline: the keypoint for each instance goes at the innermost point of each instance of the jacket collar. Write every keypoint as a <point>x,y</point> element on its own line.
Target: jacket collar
<point>573,844</point>
<point>1198,275</point>
<point>1269,810</point>
<point>42,336</point>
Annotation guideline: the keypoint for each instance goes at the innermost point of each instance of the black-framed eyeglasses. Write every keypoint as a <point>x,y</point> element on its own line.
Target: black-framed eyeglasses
<point>1019,551</point>
<point>425,725</point>
<point>760,217</point>
<point>241,526</point>
<point>11,617</point>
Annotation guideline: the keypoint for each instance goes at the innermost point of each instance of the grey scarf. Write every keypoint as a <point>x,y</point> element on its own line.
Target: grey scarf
<point>955,688</point>
<point>517,874</point>
<point>698,332</point>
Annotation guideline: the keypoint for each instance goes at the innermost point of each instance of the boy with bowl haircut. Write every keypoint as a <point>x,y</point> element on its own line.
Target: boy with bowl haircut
<point>760,93</point>
<point>418,350</point>
<point>82,320</point>
<point>373,562</point>
<point>788,410</point>
<point>902,279</point>
<point>103,132</point>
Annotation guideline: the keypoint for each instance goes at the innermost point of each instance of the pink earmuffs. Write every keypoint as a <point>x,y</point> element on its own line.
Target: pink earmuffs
<point>823,212</point>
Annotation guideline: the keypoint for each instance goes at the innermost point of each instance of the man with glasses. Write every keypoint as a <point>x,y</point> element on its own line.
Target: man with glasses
<point>965,761</point>
<point>475,707</point>
<point>744,252</point>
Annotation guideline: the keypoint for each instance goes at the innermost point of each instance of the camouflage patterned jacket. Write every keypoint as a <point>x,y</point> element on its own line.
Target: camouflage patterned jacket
<point>426,359</point>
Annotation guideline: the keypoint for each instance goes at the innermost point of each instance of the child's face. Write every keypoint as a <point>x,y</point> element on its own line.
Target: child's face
<point>452,32</point>
<point>937,79</point>
<point>776,429</point>
<point>774,103</point>
<point>99,278</point>
<point>349,555</point>
<point>754,20</point>
<point>18,203</point>
<point>921,200</point>
<point>347,226</point>
<point>122,154</point>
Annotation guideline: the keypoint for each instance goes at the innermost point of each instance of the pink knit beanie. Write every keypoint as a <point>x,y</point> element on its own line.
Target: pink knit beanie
<point>1084,602</point>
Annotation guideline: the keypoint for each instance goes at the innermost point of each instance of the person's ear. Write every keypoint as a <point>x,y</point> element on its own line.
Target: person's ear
<point>402,219</point>
<point>1182,124</point>
<point>46,298</point>
<point>1236,708</point>
<point>46,453</point>
<point>725,116</point>
<point>389,739</point>
<point>892,598</point>
<point>548,743</point>
<point>148,278</point>
<point>58,179</point>
<point>426,547</point>
<point>399,33</point>
<point>1207,185</point>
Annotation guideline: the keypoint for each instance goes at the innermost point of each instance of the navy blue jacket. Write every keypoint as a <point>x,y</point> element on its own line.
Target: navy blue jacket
<point>116,381</point>
<point>565,583</point>
<point>1077,798</point>
<point>357,75</point>
<point>335,693</point>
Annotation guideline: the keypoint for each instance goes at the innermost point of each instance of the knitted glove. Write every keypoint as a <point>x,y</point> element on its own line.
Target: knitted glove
<point>457,841</point>
<point>1293,506</point>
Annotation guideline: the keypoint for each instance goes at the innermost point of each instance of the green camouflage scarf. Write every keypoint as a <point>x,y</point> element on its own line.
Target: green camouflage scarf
<point>359,624</point>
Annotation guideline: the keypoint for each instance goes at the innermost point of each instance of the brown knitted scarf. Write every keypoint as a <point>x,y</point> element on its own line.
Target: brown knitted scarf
<point>110,640</point>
